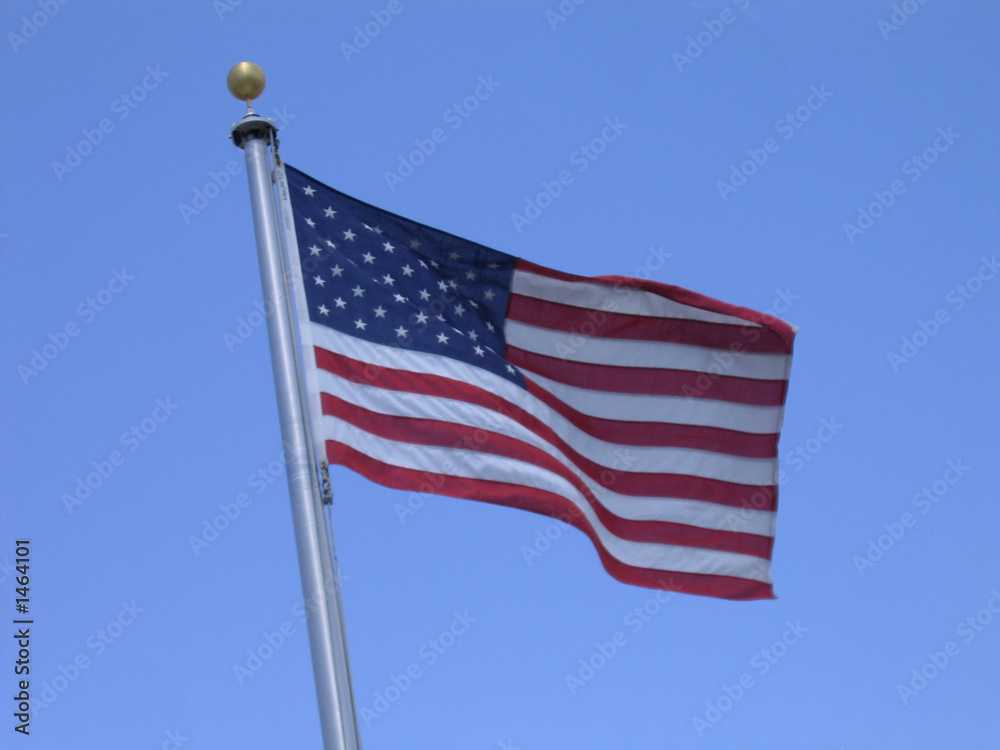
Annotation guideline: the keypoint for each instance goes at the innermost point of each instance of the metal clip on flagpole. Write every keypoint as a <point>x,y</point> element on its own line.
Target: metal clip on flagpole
<point>321,588</point>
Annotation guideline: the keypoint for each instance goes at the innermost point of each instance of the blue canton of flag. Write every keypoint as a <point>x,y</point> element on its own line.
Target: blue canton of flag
<point>388,280</point>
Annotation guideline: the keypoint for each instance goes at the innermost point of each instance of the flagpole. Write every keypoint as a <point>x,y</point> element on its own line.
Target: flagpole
<point>320,586</point>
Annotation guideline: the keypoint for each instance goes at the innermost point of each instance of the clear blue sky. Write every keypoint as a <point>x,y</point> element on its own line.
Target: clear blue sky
<point>134,303</point>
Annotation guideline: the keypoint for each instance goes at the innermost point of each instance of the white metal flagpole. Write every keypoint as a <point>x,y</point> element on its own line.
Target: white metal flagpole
<point>320,586</point>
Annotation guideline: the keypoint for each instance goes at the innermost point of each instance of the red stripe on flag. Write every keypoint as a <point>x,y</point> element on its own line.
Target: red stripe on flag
<point>651,381</point>
<point>649,434</point>
<point>662,434</point>
<point>419,432</point>
<point>675,293</point>
<point>588,322</point>
<point>684,486</point>
<point>548,504</point>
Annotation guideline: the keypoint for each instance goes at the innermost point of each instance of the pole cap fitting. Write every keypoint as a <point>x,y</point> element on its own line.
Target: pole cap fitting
<point>254,126</point>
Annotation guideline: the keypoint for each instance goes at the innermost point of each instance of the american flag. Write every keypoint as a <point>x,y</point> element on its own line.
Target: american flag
<point>643,414</point>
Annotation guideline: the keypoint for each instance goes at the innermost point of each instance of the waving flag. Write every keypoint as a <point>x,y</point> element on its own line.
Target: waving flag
<point>645,415</point>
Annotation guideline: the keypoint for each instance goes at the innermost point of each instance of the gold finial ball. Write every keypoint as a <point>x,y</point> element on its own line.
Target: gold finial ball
<point>245,81</point>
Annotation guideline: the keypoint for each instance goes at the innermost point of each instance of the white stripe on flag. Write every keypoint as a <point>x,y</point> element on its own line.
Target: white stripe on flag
<point>597,350</point>
<point>639,407</point>
<point>491,468</point>
<point>611,298</point>
<point>640,459</point>
<point>674,510</point>
<point>626,407</point>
